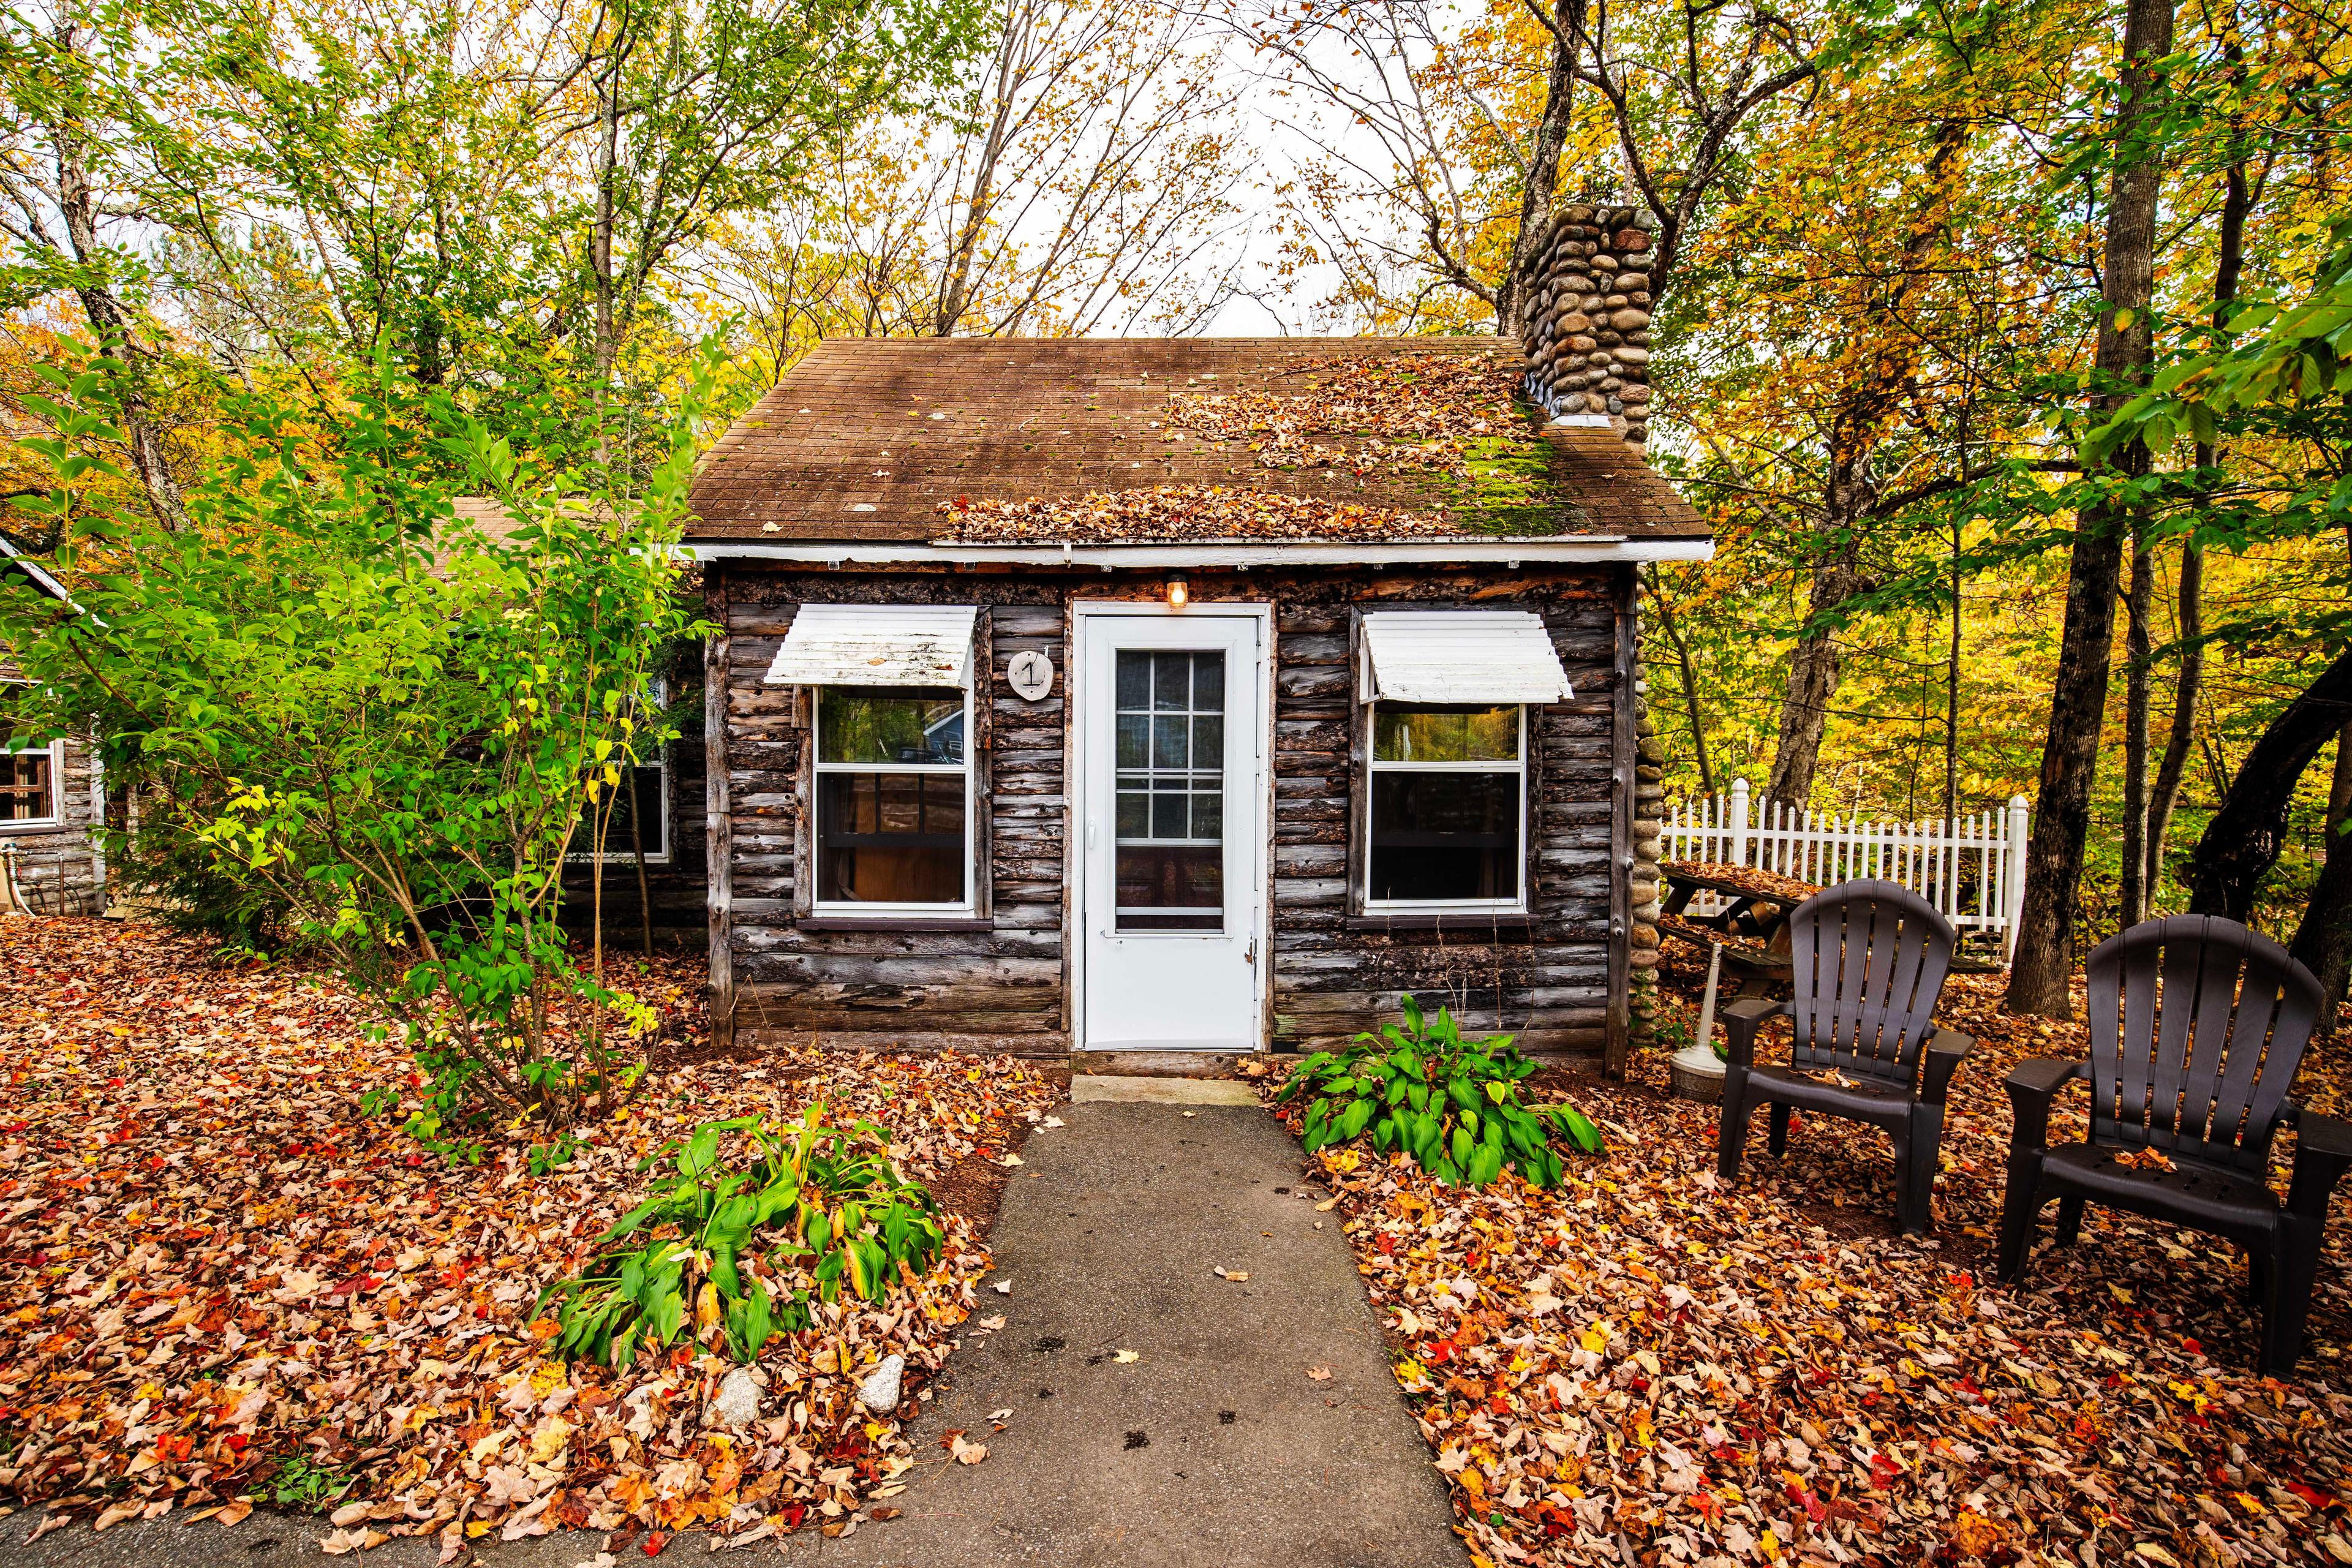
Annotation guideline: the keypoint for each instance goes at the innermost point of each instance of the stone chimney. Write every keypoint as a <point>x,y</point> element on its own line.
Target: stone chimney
<point>1588,340</point>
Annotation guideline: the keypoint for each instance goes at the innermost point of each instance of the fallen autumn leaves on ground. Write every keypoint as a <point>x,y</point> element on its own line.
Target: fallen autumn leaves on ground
<point>1646,1366</point>
<point>213,1264</point>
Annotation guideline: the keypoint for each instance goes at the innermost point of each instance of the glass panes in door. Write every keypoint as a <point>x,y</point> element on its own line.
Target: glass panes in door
<point>1171,830</point>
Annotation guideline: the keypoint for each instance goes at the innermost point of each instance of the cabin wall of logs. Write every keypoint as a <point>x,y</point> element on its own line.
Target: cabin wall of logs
<point>1562,977</point>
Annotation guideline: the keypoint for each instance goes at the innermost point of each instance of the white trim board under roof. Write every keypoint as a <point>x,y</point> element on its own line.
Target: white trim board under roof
<point>1592,548</point>
<point>877,644</point>
<point>1460,655</point>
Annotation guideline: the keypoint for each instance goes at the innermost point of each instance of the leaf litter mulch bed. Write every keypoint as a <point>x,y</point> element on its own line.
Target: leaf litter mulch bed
<point>218,1278</point>
<point>1649,1367</point>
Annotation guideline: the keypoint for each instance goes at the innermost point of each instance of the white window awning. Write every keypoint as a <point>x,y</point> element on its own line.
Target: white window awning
<point>877,644</point>
<point>1460,655</point>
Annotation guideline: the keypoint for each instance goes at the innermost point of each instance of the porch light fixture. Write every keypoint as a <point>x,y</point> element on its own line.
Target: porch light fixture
<point>1178,592</point>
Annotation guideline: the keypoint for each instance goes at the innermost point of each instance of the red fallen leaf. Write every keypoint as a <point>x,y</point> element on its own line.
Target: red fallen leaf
<point>237,1441</point>
<point>1883,1471</point>
<point>653,1543</point>
<point>2191,1346</point>
<point>2313,1497</point>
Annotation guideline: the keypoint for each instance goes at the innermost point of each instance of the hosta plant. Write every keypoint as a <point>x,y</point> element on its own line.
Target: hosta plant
<point>1453,1105</point>
<point>733,1251</point>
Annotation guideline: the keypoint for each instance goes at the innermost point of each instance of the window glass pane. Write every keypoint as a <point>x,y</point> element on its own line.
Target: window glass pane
<point>1402,734</point>
<point>650,821</point>
<point>1441,836</point>
<point>1170,865</point>
<point>1209,682</point>
<point>1167,887</point>
<point>1167,748</point>
<point>890,839</point>
<point>25,787</point>
<point>1171,681</point>
<point>1134,681</point>
<point>889,724</point>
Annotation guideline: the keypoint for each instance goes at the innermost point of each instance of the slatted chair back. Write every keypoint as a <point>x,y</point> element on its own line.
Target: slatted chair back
<point>2197,1025</point>
<point>1869,961</point>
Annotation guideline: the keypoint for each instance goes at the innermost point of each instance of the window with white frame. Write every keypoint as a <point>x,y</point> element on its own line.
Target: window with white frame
<point>1447,808</point>
<point>1448,697</point>
<point>894,807</point>
<point>29,788</point>
<point>641,814</point>
<point>29,784</point>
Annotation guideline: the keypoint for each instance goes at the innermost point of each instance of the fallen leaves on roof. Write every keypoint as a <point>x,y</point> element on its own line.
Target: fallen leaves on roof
<point>1181,514</point>
<point>216,1274</point>
<point>1429,411</point>
<point>1650,1365</point>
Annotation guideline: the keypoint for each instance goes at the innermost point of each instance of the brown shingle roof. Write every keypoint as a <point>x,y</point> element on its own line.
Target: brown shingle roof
<point>878,439</point>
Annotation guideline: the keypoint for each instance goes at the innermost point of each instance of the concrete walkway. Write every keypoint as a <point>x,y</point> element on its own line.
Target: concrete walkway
<point>1213,1446</point>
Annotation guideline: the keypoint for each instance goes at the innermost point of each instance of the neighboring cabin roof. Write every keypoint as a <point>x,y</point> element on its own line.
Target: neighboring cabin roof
<point>33,571</point>
<point>994,442</point>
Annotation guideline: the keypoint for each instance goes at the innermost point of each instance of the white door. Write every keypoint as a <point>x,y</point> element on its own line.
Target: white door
<point>1172,802</point>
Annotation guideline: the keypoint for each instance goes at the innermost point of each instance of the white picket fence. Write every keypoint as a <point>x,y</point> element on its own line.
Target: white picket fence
<point>1970,867</point>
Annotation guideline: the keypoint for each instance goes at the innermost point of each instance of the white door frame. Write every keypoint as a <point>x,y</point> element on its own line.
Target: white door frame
<point>1079,695</point>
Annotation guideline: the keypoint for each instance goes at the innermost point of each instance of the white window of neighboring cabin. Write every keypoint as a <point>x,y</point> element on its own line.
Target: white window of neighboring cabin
<point>1447,808</point>
<point>893,806</point>
<point>1447,697</point>
<point>30,782</point>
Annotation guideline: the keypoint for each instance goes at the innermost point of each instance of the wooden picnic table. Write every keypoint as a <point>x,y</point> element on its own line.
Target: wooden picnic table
<point>1753,926</point>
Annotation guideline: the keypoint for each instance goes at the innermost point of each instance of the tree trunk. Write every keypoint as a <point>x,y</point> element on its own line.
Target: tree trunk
<point>1864,413</point>
<point>1813,669</point>
<point>2242,842</point>
<point>2237,201</point>
<point>1011,75</point>
<point>1522,277</point>
<point>2323,942</point>
<point>2167,790</point>
<point>2140,647</point>
<point>1689,677</point>
<point>2041,972</point>
<point>118,340</point>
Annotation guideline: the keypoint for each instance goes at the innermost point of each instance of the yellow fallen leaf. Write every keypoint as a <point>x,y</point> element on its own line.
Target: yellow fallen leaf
<point>1123,1357</point>
<point>1319,1373</point>
<point>2152,1552</point>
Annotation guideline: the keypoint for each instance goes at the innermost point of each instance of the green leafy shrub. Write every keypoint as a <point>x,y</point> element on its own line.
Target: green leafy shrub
<point>364,723</point>
<point>1455,1105</point>
<point>738,1250</point>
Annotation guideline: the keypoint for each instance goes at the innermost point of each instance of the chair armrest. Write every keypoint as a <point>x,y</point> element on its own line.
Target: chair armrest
<point>1946,1051</point>
<point>2031,1086</point>
<point>2322,1151</point>
<point>1741,1019</point>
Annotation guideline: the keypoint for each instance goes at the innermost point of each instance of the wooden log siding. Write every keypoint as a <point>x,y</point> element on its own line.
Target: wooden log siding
<point>1004,985</point>
<point>59,869</point>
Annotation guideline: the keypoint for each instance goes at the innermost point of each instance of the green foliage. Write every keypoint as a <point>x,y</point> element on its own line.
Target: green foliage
<point>376,722</point>
<point>1453,1105</point>
<point>299,1482</point>
<point>735,1251</point>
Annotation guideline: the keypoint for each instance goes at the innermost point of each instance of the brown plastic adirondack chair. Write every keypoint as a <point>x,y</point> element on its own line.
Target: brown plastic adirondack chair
<point>1868,961</point>
<point>2197,1025</point>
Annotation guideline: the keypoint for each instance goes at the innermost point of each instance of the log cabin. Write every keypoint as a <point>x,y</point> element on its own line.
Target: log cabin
<point>1149,696</point>
<point>52,796</point>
